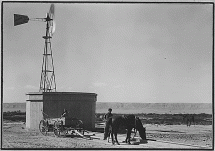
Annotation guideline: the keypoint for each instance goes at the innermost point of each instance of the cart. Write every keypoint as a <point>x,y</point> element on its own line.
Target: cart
<point>61,126</point>
<point>46,125</point>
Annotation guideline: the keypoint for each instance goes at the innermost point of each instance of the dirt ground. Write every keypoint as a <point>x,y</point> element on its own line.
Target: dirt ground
<point>200,135</point>
<point>15,135</point>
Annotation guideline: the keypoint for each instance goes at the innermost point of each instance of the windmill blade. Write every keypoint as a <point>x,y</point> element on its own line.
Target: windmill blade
<point>53,27</point>
<point>20,19</point>
<point>51,11</point>
<point>51,15</point>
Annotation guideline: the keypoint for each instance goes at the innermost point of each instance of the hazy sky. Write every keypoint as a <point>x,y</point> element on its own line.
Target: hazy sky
<point>149,53</point>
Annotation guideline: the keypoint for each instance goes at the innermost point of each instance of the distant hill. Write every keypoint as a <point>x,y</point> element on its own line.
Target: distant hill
<point>159,108</point>
<point>14,107</point>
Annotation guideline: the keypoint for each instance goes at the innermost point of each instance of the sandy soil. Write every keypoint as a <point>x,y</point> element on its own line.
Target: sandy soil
<point>16,136</point>
<point>200,135</point>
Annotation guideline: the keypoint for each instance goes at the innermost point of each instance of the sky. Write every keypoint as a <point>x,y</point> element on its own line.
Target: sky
<point>146,53</point>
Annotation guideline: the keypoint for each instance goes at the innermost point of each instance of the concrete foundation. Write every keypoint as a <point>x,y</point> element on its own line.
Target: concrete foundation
<point>79,105</point>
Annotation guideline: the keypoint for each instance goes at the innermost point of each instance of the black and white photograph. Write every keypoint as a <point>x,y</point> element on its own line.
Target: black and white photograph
<point>107,75</point>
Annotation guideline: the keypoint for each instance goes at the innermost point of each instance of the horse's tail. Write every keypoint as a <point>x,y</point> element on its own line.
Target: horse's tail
<point>141,129</point>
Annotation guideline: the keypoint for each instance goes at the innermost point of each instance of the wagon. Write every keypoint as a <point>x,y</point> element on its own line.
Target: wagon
<point>61,126</point>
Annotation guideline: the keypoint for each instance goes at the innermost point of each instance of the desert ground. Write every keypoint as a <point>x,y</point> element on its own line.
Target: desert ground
<point>16,136</point>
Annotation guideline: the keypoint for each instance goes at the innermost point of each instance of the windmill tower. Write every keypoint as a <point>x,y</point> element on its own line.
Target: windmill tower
<point>47,81</point>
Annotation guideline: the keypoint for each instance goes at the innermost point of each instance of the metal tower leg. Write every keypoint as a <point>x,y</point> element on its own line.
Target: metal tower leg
<point>47,82</point>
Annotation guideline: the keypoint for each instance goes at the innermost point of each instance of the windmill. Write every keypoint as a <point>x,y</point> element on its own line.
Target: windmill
<point>47,82</point>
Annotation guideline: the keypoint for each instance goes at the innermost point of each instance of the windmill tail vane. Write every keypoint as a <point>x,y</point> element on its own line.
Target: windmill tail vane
<point>20,19</point>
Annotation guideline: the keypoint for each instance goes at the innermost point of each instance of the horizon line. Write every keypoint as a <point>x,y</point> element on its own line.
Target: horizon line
<point>143,102</point>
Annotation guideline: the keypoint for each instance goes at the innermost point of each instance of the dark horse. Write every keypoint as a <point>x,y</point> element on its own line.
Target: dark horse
<point>189,118</point>
<point>128,122</point>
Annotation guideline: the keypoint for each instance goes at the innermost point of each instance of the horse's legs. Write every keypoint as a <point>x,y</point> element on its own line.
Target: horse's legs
<point>188,123</point>
<point>113,131</point>
<point>109,133</point>
<point>128,138</point>
<point>115,134</point>
<point>112,138</point>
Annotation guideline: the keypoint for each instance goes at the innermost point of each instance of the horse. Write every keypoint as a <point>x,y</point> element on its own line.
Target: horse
<point>128,122</point>
<point>189,118</point>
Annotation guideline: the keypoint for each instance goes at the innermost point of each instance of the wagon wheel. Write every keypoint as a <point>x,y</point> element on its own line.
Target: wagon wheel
<point>43,126</point>
<point>59,130</point>
<point>80,126</point>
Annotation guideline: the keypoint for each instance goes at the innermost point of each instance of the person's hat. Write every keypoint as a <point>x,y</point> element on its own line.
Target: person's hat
<point>110,109</point>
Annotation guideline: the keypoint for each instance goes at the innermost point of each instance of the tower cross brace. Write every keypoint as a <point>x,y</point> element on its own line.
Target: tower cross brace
<point>47,82</point>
